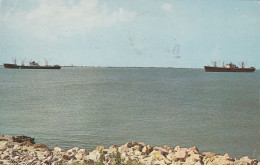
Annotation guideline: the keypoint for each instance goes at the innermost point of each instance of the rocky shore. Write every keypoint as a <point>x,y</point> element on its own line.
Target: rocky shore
<point>24,150</point>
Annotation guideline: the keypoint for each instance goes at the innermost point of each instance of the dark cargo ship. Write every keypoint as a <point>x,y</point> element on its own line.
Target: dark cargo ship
<point>32,65</point>
<point>228,68</point>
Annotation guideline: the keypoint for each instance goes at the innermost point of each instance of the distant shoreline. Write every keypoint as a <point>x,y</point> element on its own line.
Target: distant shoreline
<point>67,66</point>
<point>126,67</point>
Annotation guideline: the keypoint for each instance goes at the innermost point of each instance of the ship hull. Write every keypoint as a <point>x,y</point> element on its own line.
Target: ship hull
<point>218,69</point>
<point>13,66</point>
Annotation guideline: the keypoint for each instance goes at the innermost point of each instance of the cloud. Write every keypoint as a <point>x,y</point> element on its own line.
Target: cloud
<point>3,17</point>
<point>167,7</point>
<point>1,9</point>
<point>1,1</point>
<point>54,19</point>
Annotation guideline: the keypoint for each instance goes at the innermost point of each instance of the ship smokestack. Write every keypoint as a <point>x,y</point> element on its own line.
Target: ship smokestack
<point>223,65</point>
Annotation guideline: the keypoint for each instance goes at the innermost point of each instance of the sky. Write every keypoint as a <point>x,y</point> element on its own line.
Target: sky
<point>133,33</point>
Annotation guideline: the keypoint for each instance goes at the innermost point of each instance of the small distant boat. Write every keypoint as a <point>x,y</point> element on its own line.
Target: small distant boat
<point>32,65</point>
<point>228,68</point>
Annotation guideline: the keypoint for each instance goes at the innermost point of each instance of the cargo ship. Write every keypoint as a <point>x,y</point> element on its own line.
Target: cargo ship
<point>32,65</point>
<point>228,68</point>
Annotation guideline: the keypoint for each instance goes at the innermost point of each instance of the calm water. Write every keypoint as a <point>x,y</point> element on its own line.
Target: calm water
<point>87,107</point>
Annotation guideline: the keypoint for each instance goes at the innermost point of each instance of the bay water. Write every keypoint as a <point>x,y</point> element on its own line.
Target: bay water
<point>87,107</point>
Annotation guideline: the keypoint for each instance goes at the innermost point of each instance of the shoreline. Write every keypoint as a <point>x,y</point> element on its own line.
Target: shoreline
<point>24,150</point>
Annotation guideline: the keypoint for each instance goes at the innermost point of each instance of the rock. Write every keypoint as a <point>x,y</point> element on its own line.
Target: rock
<point>177,163</point>
<point>54,158</point>
<point>6,138</point>
<point>209,154</point>
<point>217,159</point>
<point>56,163</point>
<point>137,153</point>
<point>150,148</point>
<point>159,162</point>
<point>83,151</point>
<point>6,162</point>
<point>177,148</point>
<point>94,155</point>
<point>21,150</point>
<point>167,161</point>
<point>113,146</point>
<point>110,150</point>
<point>142,144</point>
<point>135,143</point>
<point>3,145</point>
<point>124,149</point>
<point>194,149</point>
<point>5,157</point>
<point>147,160</point>
<point>226,156</point>
<point>72,161</point>
<point>167,147</point>
<point>31,161</point>
<point>145,150</point>
<point>190,160</point>
<point>41,146</point>
<point>125,158</point>
<point>128,144</point>
<point>108,157</point>
<point>41,156</point>
<point>246,160</point>
<point>181,154</point>
<point>24,140</point>
<point>198,163</point>
<point>196,157</point>
<point>99,148</point>
<point>48,160</point>
<point>132,157</point>
<point>137,148</point>
<point>171,156</point>
<point>58,149</point>
<point>17,147</point>
<point>66,157</point>
<point>213,160</point>
<point>164,151</point>
<point>79,156</point>
<point>155,153</point>
<point>16,157</point>
<point>158,155</point>
<point>73,150</point>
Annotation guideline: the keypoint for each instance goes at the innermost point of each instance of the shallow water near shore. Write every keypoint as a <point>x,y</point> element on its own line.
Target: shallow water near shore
<point>87,107</point>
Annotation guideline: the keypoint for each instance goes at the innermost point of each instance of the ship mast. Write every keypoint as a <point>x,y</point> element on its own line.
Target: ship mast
<point>242,64</point>
<point>14,60</point>
<point>46,62</point>
<point>214,63</point>
<point>23,62</point>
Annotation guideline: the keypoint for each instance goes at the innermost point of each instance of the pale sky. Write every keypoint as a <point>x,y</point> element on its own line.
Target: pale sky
<point>130,33</point>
